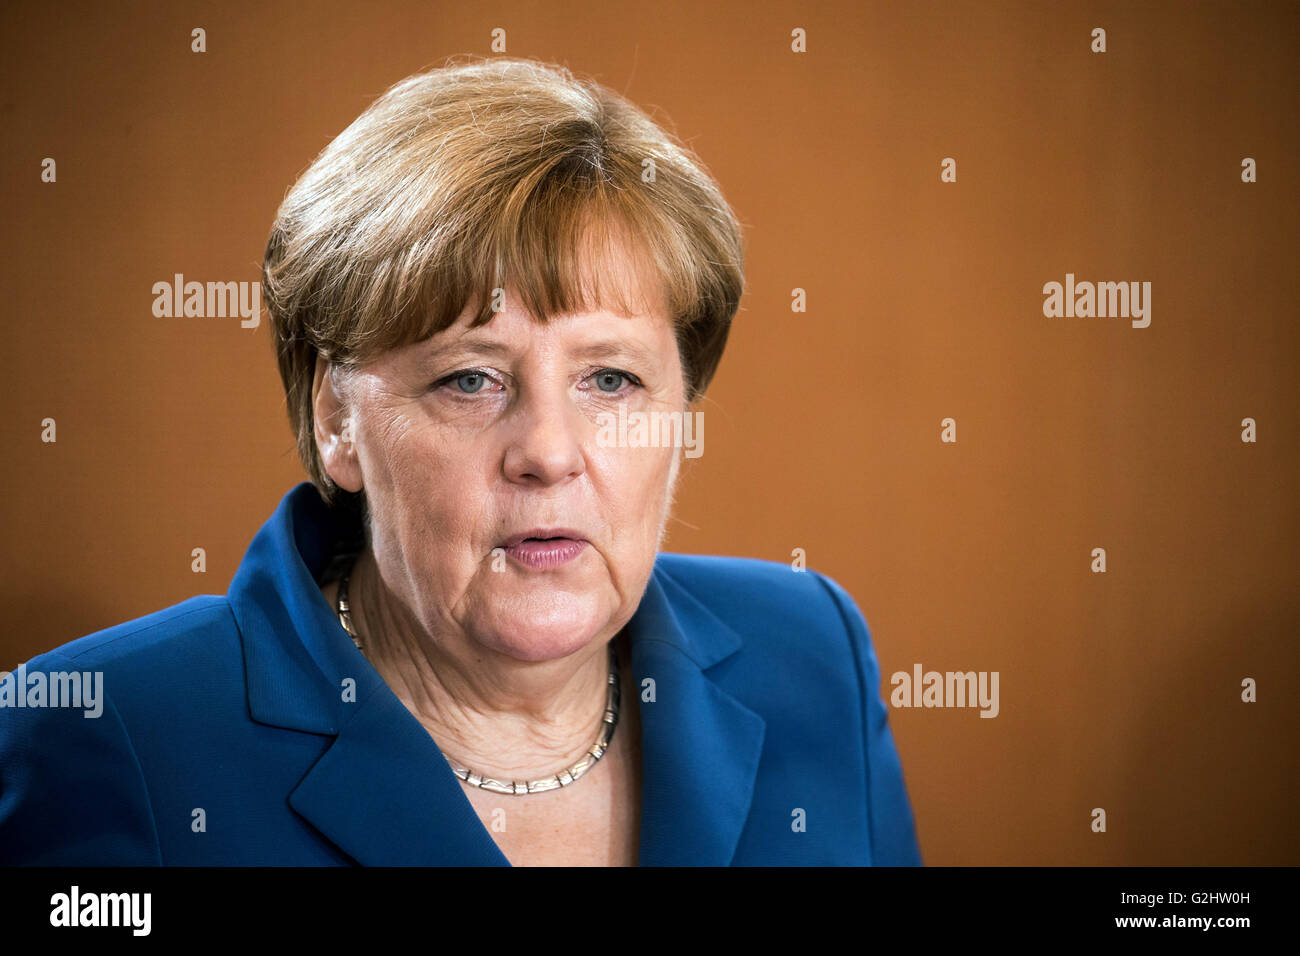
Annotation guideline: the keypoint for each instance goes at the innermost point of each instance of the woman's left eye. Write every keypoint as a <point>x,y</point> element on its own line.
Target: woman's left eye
<point>611,380</point>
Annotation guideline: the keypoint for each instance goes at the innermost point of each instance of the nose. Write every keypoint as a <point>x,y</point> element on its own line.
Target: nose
<point>545,442</point>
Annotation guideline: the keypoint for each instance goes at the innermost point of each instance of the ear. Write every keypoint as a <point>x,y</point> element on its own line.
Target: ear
<point>334,423</point>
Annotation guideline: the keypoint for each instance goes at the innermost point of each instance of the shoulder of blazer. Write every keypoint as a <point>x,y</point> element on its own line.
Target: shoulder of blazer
<point>803,622</point>
<point>155,667</point>
<point>763,600</point>
<point>804,630</point>
<point>72,788</point>
<point>187,628</point>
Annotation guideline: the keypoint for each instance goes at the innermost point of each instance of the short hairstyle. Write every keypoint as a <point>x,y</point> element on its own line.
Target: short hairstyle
<point>478,175</point>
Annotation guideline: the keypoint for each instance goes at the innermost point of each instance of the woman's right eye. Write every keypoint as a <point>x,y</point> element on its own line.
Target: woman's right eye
<point>470,382</point>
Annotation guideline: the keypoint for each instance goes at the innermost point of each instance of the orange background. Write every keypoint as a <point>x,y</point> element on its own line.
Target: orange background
<point>1118,690</point>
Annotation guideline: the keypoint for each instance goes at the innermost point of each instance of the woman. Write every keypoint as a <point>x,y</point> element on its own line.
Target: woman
<point>459,643</point>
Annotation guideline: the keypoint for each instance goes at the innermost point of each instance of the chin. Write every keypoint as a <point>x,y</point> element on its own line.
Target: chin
<point>549,634</point>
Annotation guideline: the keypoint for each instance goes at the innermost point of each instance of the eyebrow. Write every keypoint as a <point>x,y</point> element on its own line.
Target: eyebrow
<point>604,349</point>
<point>618,349</point>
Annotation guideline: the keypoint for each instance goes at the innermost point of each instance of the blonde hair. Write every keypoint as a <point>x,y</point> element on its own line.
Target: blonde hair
<point>461,179</point>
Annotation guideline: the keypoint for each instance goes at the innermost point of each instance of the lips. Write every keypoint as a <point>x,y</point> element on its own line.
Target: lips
<point>545,548</point>
<point>542,534</point>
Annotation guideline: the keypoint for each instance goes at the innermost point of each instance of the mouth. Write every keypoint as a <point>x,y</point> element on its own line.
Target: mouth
<point>545,548</point>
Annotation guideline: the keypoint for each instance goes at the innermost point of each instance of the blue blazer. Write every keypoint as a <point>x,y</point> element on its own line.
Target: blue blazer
<point>224,737</point>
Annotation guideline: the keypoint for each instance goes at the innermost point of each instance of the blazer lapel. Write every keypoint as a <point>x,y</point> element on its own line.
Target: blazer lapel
<point>383,793</point>
<point>700,747</point>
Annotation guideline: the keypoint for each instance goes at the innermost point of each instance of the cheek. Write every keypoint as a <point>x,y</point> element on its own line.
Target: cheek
<point>436,481</point>
<point>421,454</point>
<point>639,480</point>
<point>382,438</point>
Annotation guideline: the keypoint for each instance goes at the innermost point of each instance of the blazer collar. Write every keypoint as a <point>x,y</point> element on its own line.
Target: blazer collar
<point>382,791</point>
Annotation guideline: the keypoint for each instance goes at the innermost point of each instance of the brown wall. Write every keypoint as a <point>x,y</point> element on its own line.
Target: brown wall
<point>1118,690</point>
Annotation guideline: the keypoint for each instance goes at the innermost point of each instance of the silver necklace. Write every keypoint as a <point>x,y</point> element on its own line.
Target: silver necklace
<point>562,779</point>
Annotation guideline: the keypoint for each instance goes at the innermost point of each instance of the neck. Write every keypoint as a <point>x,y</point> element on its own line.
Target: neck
<point>499,716</point>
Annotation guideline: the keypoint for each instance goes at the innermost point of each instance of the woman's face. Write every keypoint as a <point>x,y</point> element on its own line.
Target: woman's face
<point>474,438</point>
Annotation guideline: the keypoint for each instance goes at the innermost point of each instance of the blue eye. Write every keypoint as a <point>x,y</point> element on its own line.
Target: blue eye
<point>611,378</point>
<point>466,381</point>
<point>470,382</point>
